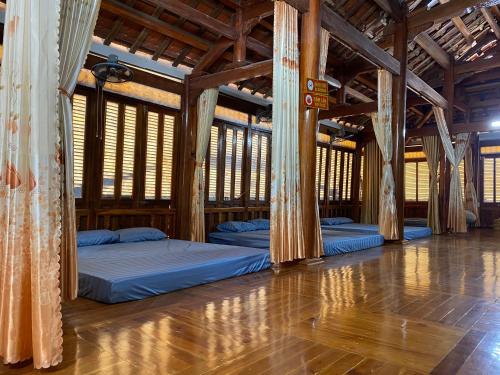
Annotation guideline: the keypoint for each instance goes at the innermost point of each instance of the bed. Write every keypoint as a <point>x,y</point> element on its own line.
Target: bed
<point>122,272</point>
<point>334,242</point>
<point>410,232</point>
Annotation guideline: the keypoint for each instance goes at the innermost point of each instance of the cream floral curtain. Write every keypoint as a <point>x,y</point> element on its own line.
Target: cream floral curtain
<point>78,18</point>
<point>324,42</point>
<point>456,211</point>
<point>30,185</point>
<point>287,240</point>
<point>471,201</point>
<point>382,125</point>
<point>206,111</point>
<point>431,150</point>
<point>372,176</point>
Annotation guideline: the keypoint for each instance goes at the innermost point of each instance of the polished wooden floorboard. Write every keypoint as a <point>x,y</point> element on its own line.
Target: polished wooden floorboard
<point>429,306</point>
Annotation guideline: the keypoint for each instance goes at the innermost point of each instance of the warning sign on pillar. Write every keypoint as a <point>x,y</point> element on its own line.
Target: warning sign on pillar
<point>316,94</point>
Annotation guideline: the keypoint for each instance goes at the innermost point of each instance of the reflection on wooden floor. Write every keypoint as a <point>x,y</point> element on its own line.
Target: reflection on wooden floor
<point>430,305</point>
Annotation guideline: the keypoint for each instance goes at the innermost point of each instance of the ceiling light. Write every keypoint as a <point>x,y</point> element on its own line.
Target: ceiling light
<point>495,124</point>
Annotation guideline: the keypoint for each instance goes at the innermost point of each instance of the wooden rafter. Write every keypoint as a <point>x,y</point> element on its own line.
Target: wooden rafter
<point>433,49</point>
<point>460,25</point>
<point>488,16</point>
<point>225,77</point>
<point>393,7</point>
<point>193,15</point>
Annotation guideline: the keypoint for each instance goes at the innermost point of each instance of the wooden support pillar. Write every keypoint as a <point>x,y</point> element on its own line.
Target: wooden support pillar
<point>308,122</point>
<point>186,157</point>
<point>240,44</point>
<point>399,121</point>
<point>444,165</point>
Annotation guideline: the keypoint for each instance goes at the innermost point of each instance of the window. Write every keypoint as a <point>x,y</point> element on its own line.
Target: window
<point>79,121</point>
<point>347,179</point>
<point>151,153</point>
<point>340,175</point>
<point>110,142</point>
<point>119,150</point>
<point>258,167</point>
<point>233,166</point>
<point>417,181</point>
<point>490,157</point>
<point>489,180</point>
<point>159,156</point>
<point>361,174</point>
<point>167,156</point>
<point>321,170</point>
<point>128,151</point>
<point>212,164</point>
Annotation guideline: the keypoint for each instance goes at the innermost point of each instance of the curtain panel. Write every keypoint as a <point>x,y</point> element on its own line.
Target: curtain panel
<point>471,201</point>
<point>382,125</point>
<point>30,185</point>
<point>372,176</point>
<point>78,19</point>
<point>287,240</point>
<point>431,151</point>
<point>206,111</point>
<point>456,211</point>
<point>324,43</point>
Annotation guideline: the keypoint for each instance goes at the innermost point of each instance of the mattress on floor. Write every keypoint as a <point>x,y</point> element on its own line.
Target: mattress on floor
<point>132,271</point>
<point>410,233</point>
<point>334,242</point>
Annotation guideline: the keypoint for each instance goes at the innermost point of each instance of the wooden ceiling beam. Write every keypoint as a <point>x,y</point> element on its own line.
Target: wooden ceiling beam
<point>478,65</point>
<point>357,95</point>
<point>258,11</point>
<point>213,54</point>
<point>195,16</point>
<point>345,110</point>
<point>457,128</point>
<point>342,30</point>
<point>153,23</point>
<point>393,7</point>
<point>433,49</point>
<point>225,77</point>
<point>440,13</point>
<point>488,16</point>
<point>420,87</point>
<point>461,27</point>
<point>422,19</point>
<point>348,34</point>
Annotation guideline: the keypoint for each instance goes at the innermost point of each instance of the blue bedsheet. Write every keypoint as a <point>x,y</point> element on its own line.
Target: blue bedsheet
<point>130,271</point>
<point>334,242</point>
<point>411,233</point>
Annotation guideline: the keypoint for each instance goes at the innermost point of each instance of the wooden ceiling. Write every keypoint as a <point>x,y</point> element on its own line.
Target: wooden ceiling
<point>206,35</point>
<point>214,35</point>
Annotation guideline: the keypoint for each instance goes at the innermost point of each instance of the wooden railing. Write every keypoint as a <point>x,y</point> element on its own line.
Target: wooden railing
<point>118,218</point>
<point>164,218</point>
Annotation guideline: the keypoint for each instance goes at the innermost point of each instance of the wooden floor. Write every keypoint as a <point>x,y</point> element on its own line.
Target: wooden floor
<point>427,306</point>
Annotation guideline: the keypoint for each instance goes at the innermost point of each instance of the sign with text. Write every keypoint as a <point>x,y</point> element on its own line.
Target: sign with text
<point>316,94</point>
<point>316,101</point>
<point>315,86</point>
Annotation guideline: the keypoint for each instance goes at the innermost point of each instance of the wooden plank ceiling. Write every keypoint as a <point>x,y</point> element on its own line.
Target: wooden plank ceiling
<point>215,35</point>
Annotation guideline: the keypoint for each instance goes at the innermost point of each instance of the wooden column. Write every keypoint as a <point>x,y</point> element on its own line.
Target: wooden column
<point>308,120</point>
<point>399,121</point>
<point>444,165</point>
<point>240,45</point>
<point>186,157</point>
